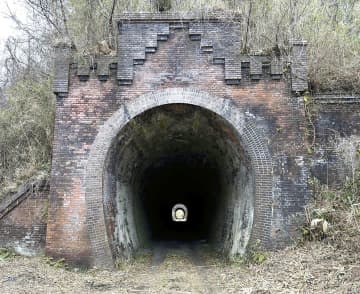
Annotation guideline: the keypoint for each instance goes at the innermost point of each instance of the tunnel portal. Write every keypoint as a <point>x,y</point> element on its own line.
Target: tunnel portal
<point>176,116</point>
<point>177,153</point>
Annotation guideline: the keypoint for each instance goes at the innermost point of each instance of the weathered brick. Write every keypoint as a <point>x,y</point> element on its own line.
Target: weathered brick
<point>192,62</point>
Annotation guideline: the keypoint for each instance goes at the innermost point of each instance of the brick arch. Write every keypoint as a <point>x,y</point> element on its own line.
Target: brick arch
<point>250,136</point>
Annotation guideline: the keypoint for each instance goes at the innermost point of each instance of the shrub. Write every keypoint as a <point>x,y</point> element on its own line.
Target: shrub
<point>26,130</point>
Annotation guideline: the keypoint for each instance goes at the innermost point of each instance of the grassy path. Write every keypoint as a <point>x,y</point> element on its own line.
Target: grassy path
<point>314,268</point>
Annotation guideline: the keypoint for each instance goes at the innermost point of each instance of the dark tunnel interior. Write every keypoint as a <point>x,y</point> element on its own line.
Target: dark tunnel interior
<point>190,180</point>
<point>177,154</point>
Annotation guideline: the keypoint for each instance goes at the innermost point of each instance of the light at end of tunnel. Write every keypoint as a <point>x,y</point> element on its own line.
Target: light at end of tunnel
<point>179,213</point>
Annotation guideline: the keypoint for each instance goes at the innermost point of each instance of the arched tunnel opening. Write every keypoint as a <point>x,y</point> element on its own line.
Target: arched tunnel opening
<point>178,154</point>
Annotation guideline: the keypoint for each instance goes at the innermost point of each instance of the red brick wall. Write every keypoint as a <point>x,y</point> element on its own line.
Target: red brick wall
<point>24,227</point>
<point>178,62</point>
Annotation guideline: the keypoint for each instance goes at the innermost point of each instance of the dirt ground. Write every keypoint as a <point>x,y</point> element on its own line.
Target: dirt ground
<point>313,268</point>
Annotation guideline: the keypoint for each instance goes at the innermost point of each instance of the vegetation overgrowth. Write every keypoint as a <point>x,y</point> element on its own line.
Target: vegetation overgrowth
<point>26,132</point>
<point>338,207</point>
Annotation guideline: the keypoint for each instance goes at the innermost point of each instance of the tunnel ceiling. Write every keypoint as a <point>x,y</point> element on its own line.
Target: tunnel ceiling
<point>175,130</point>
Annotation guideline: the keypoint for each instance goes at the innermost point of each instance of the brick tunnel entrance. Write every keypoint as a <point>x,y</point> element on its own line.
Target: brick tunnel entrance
<point>170,146</point>
<point>178,153</point>
<point>177,116</point>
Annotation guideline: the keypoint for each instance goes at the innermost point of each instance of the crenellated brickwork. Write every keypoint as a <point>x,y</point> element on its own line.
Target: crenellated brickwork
<point>140,34</point>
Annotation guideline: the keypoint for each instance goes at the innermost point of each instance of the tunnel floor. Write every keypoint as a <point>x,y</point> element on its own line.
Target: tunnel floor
<point>188,249</point>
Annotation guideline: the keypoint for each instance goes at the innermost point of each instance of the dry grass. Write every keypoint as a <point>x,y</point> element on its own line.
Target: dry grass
<point>316,267</point>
